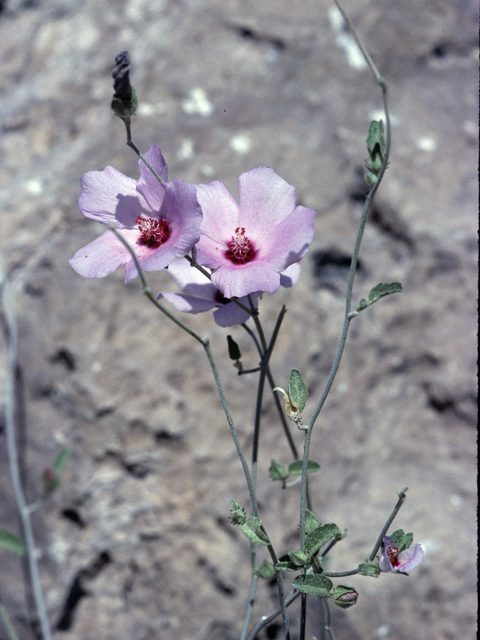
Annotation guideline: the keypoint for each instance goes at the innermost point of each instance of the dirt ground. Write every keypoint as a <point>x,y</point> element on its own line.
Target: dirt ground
<point>136,543</point>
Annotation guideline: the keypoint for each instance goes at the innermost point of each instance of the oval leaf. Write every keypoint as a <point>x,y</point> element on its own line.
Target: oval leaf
<point>317,584</point>
<point>379,291</point>
<point>369,568</point>
<point>297,389</point>
<point>266,570</point>
<point>251,528</point>
<point>319,537</point>
<point>277,471</point>
<point>311,521</point>
<point>295,467</point>
<point>11,542</point>
<point>383,289</point>
<point>298,558</point>
<point>286,565</point>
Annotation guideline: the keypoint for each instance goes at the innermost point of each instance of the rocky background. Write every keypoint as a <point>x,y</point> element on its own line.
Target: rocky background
<point>136,543</point>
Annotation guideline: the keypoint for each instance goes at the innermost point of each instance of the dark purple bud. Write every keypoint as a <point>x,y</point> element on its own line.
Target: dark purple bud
<point>124,102</point>
<point>120,75</point>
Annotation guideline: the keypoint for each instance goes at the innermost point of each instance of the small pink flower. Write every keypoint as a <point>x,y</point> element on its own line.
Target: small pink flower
<point>249,244</point>
<point>392,560</point>
<point>161,221</point>
<point>199,294</point>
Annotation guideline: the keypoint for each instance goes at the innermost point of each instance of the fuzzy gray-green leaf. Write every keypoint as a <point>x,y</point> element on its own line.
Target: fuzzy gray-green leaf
<point>369,568</point>
<point>252,529</point>
<point>383,289</point>
<point>313,583</point>
<point>297,389</point>
<point>320,536</point>
<point>295,467</point>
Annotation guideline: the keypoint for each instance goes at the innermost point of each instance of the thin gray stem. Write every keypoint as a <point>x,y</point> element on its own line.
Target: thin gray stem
<point>10,424</point>
<point>130,143</point>
<point>348,301</point>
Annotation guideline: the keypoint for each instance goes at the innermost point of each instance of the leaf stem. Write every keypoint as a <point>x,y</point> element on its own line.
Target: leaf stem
<point>7,623</point>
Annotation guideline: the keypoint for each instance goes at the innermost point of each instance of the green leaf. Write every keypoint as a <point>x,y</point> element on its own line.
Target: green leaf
<point>320,536</point>
<point>311,521</point>
<point>317,584</point>
<point>11,542</point>
<point>369,568</point>
<point>295,467</point>
<point>379,291</point>
<point>61,460</point>
<point>277,471</point>
<point>266,570</point>
<point>286,565</point>
<point>298,558</point>
<point>402,540</point>
<point>383,289</point>
<point>363,304</point>
<point>297,389</point>
<point>252,529</point>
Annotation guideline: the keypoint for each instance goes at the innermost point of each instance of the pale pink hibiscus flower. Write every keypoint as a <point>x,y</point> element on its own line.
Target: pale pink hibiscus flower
<point>200,294</point>
<point>250,243</point>
<point>393,561</point>
<point>161,221</point>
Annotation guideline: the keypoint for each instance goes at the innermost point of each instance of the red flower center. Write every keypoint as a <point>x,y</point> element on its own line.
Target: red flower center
<point>392,553</point>
<point>240,248</point>
<point>153,232</point>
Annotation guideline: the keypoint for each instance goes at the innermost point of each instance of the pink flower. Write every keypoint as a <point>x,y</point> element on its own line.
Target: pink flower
<point>250,243</point>
<point>199,294</point>
<point>392,560</point>
<point>161,221</point>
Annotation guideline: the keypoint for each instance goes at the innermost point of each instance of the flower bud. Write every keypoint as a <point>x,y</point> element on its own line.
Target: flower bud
<point>345,596</point>
<point>238,514</point>
<point>50,480</point>
<point>124,102</point>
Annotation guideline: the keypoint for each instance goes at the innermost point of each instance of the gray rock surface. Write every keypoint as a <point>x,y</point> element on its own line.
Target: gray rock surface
<point>138,534</point>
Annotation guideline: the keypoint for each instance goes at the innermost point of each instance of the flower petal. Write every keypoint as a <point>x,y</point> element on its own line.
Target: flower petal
<point>182,210</point>
<point>150,259</point>
<point>290,276</point>
<point>111,198</point>
<point>190,280</point>
<point>101,257</point>
<point>152,189</point>
<point>265,200</point>
<point>229,314</point>
<point>411,558</point>
<point>288,242</point>
<point>384,561</point>
<point>220,219</point>
<point>236,282</point>
<point>187,303</point>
